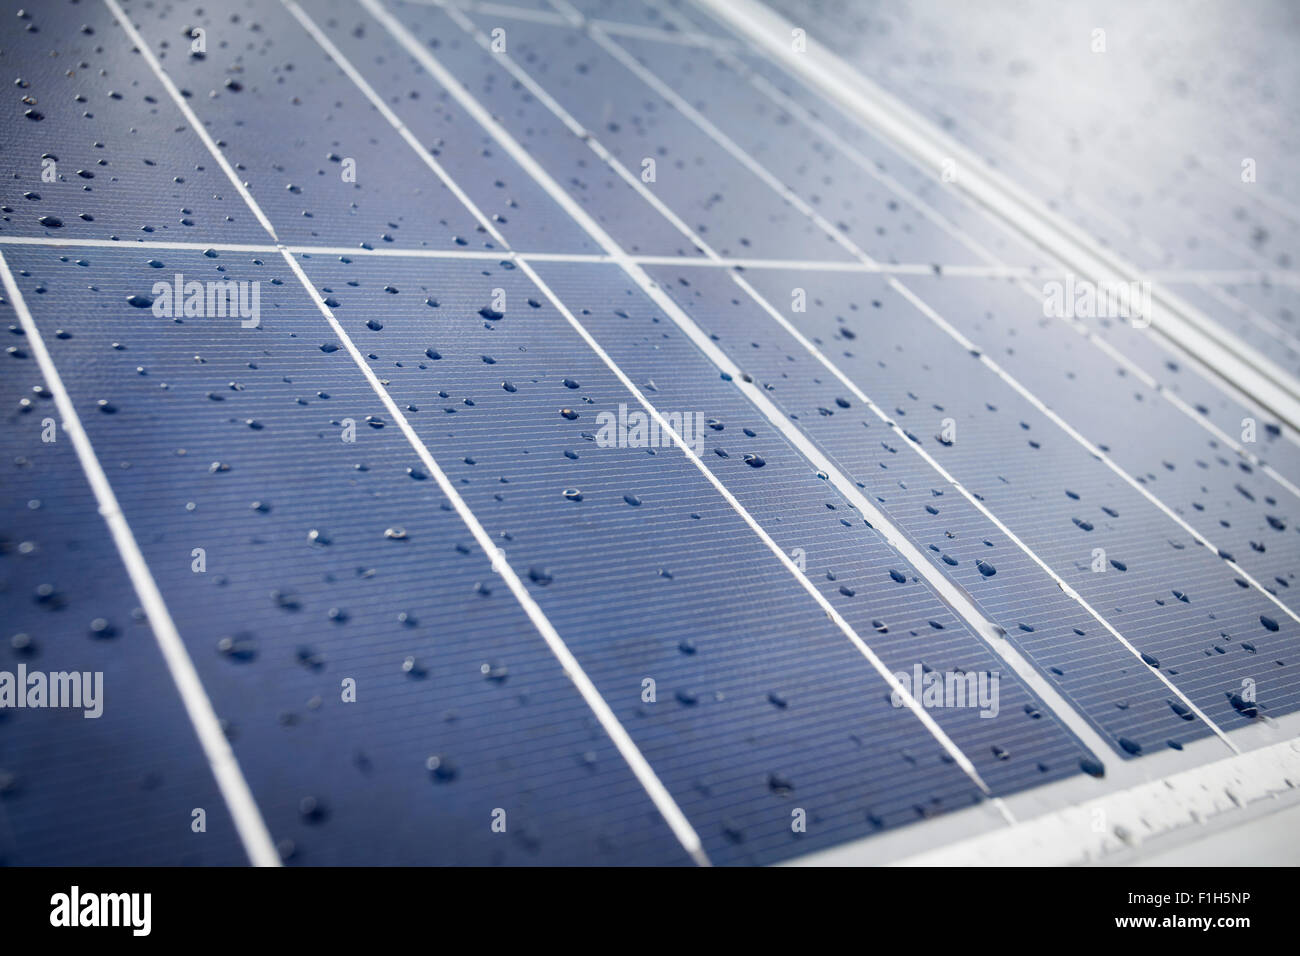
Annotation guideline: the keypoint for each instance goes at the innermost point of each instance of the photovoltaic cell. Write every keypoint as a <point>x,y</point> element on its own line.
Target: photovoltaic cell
<point>306,553</point>
<point>919,385</point>
<point>118,787</point>
<point>693,176</point>
<point>329,561</point>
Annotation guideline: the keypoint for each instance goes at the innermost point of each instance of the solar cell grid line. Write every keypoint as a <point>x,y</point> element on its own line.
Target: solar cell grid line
<point>923,721</point>
<point>369,567</point>
<point>409,137</point>
<point>112,197</point>
<point>953,598</point>
<point>1245,511</point>
<point>378,216</point>
<point>609,200</point>
<point>1036,293</point>
<point>664,33</point>
<point>676,366</point>
<point>832,137</point>
<point>702,344</point>
<point>794,380</point>
<point>700,340</point>
<point>608,648</point>
<point>1186,703</point>
<point>663,801</point>
<point>902,268</point>
<point>764,703</point>
<point>1144,245</point>
<point>940,245</point>
<point>1199,537</point>
<point>1196,413</point>
<point>975,500</point>
<point>929,145</point>
<point>225,768</point>
<point>848,631</point>
<point>782,229</point>
<point>704,123</point>
<point>130,773</point>
<point>1118,173</point>
<point>1209,190</point>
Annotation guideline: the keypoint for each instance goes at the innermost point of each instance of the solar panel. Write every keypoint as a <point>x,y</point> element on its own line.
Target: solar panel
<point>579,433</point>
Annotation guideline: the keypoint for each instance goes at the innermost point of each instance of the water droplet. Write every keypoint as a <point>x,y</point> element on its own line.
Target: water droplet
<point>242,649</point>
<point>101,628</point>
<point>494,672</point>
<point>312,810</point>
<point>442,769</point>
<point>779,785</point>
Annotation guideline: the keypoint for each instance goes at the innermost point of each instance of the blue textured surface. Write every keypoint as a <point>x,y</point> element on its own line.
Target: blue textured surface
<point>125,165</point>
<point>306,614</point>
<point>114,789</point>
<point>1200,95</point>
<point>329,559</point>
<point>1025,470</point>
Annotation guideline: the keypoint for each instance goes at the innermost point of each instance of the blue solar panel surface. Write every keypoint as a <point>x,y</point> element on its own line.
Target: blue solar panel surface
<point>604,217</point>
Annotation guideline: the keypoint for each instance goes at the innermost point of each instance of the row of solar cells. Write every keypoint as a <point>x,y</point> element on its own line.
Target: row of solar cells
<point>1206,190</point>
<point>716,581</point>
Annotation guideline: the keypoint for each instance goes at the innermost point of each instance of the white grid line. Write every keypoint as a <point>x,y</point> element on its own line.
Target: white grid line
<point>823,130</point>
<point>1070,715</point>
<point>530,165</point>
<point>727,143</point>
<point>952,593</point>
<point>198,707</point>
<point>506,253</point>
<point>1168,277</point>
<point>645,775</point>
<point>1184,327</point>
